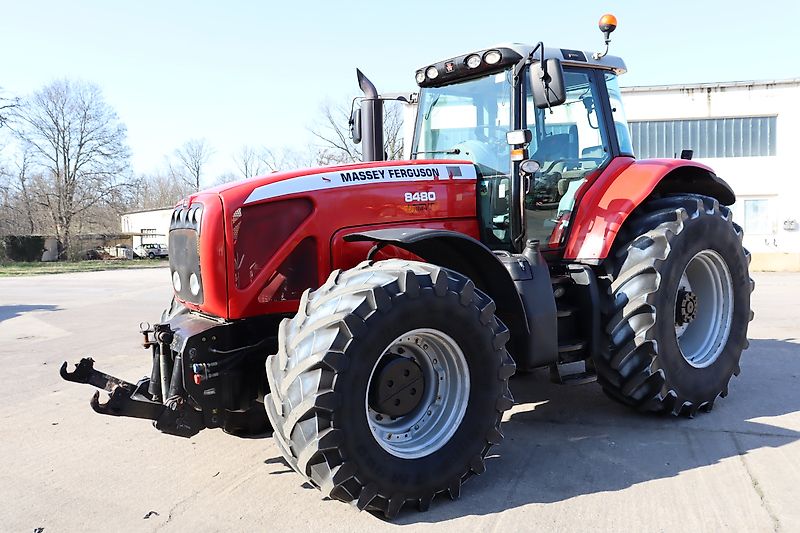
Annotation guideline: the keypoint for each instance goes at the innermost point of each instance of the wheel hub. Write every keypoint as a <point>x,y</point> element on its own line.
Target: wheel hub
<point>398,386</point>
<point>419,411</point>
<point>686,308</point>
<point>703,330</point>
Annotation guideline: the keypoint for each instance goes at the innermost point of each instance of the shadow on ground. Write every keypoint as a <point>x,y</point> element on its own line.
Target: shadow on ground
<point>12,311</point>
<point>566,441</point>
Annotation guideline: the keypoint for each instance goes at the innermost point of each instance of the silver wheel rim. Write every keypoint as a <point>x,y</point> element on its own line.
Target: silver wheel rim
<point>702,340</point>
<point>432,423</point>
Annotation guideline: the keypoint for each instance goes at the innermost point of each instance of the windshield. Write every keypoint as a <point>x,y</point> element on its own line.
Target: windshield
<point>467,120</point>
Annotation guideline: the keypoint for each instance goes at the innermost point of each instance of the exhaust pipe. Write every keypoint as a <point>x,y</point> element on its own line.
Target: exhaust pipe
<point>371,120</point>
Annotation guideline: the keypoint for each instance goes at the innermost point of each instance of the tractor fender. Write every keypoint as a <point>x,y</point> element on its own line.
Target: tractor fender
<point>466,255</point>
<point>621,188</point>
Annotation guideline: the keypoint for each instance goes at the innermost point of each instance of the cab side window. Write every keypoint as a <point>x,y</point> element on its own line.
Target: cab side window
<point>569,143</point>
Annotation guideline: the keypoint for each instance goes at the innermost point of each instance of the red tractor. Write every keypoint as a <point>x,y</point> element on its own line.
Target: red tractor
<point>373,313</point>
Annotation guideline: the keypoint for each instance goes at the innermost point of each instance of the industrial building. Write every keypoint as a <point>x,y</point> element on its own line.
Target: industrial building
<point>149,226</point>
<point>747,132</point>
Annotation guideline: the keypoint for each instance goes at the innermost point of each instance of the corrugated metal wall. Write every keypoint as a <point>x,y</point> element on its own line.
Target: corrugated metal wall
<point>711,137</point>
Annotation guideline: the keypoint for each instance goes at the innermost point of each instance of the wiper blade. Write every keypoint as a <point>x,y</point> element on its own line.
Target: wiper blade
<point>453,151</point>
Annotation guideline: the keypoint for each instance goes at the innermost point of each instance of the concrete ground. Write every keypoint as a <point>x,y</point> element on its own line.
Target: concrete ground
<point>572,459</point>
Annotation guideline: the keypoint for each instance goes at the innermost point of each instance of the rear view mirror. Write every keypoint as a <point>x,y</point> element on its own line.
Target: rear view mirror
<point>355,125</point>
<point>547,83</point>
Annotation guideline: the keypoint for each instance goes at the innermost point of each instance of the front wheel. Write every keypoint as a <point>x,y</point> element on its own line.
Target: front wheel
<point>679,307</point>
<point>389,385</point>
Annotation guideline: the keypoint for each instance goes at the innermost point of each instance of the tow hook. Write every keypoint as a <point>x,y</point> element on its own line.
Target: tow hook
<point>134,400</point>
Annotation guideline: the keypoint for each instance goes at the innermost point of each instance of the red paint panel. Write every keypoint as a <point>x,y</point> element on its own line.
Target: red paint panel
<point>349,254</point>
<point>609,199</point>
<point>213,258</point>
<point>335,213</point>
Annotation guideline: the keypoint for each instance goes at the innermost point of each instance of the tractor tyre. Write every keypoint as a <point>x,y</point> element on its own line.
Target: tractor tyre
<point>389,384</point>
<point>678,306</point>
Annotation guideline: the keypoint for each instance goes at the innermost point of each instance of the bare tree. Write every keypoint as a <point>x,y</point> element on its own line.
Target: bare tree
<point>192,157</point>
<point>333,132</point>
<point>159,190</point>
<point>332,129</point>
<point>23,181</point>
<point>393,130</point>
<point>249,162</point>
<point>77,141</point>
<point>7,105</point>
<point>6,207</point>
<point>289,159</point>
<point>227,177</point>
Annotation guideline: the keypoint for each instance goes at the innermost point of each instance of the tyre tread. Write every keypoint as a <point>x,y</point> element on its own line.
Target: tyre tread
<point>627,367</point>
<point>305,356</point>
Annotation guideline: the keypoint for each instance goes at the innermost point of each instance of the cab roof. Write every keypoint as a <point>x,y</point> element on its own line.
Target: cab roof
<point>572,56</point>
<point>455,69</point>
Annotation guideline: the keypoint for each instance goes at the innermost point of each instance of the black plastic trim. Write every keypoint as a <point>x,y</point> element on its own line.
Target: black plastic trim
<point>467,256</point>
<point>461,72</point>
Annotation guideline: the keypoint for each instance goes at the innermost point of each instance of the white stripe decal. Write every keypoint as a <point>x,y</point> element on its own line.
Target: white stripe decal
<point>362,176</point>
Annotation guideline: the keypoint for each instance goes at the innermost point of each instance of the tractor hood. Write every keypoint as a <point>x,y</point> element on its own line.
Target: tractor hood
<point>261,241</point>
<point>285,183</point>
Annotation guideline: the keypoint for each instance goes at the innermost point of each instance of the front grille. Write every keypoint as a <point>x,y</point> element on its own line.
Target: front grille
<point>184,253</point>
<point>187,218</point>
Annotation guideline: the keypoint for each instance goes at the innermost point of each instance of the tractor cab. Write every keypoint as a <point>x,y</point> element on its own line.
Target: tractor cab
<point>493,108</point>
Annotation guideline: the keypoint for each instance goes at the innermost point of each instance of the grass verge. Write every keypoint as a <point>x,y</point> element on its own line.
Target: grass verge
<point>8,269</point>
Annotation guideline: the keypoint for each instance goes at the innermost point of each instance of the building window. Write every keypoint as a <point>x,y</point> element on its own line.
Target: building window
<point>708,137</point>
<point>756,217</point>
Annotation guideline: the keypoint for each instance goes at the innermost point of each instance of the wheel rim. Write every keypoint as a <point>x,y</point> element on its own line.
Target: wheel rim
<point>439,412</point>
<point>704,308</point>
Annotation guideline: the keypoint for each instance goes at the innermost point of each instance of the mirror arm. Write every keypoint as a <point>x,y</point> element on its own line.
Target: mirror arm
<point>352,107</point>
<point>529,59</point>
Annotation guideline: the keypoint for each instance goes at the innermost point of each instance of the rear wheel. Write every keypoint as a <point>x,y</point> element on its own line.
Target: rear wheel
<point>679,306</point>
<point>389,385</point>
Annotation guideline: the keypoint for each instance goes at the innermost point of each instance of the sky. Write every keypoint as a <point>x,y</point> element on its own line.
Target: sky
<point>256,72</point>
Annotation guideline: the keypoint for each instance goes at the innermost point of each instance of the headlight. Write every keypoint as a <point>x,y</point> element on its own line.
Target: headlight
<point>473,61</point>
<point>492,57</point>
<point>176,281</point>
<point>420,76</point>
<point>432,73</point>
<point>194,284</point>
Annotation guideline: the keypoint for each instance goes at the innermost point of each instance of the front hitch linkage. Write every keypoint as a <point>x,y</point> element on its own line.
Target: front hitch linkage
<point>127,399</point>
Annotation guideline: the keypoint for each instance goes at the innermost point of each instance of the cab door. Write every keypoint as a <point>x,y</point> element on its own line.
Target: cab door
<point>572,143</point>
